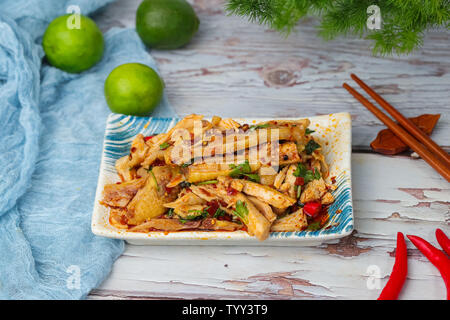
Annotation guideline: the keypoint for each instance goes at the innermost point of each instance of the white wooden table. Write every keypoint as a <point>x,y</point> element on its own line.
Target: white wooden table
<point>235,68</point>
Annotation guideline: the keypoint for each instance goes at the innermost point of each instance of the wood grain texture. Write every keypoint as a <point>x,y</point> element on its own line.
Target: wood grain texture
<point>415,202</point>
<point>235,68</point>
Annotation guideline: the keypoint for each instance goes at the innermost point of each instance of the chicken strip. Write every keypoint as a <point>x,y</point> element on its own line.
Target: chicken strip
<point>120,194</point>
<point>288,153</point>
<point>267,194</point>
<point>214,224</point>
<point>125,166</point>
<point>188,205</point>
<point>165,225</point>
<point>256,222</point>
<point>149,201</point>
<point>292,222</point>
<point>264,208</point>
<point>204,172</point>
<point>280,177</point>
<point>313,191</point>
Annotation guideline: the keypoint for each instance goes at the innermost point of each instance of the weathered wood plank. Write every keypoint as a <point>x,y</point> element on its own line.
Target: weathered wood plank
<point>233,67</point>
<point>391,194</point>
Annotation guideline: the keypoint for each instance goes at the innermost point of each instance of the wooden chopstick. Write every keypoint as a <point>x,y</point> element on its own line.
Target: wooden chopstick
<point>405,122</point>
<point>403,135</point>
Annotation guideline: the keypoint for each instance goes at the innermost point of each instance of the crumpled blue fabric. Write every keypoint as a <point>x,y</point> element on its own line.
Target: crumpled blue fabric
<point>51,134</point>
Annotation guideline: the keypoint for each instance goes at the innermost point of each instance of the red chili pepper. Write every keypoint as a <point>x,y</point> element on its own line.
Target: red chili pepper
<point>299,181</point>
<point>231,191</point>
<point>168,190</point>
<point>436,257</point>
<point>399,271</point>
<point>148,138</point>
<point>444,242</point>
<point>312,208</point>
<point>158,163</point>
<point>213,206</point>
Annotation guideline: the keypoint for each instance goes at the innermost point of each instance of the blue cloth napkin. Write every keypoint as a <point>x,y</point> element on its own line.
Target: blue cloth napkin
<point>51,133</point>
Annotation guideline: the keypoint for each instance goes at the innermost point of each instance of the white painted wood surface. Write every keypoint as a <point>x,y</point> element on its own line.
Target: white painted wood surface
<point>233,67</point>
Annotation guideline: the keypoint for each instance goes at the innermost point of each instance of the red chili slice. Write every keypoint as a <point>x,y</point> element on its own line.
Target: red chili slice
<point>158,163</point>
<point>231,191</point>
<point>312,208</point>
<point>223,203</point>
<point>213,206</point>
<point>148,138</point>
<point>300,181</point>
<point>225,217</point>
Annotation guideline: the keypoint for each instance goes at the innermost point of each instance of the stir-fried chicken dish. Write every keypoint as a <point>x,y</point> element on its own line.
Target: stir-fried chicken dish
<point>221,175</point>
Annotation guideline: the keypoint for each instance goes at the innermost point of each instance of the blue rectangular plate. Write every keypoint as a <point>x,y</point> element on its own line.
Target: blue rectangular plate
<point>332,131</point>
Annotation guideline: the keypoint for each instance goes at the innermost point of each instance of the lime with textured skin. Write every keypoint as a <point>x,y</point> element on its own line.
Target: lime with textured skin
<point>133,89</point>
<point>73,50</point>
<point>166,24</point>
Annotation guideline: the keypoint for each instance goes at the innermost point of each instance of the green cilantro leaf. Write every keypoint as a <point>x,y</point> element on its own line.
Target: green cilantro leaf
<point>314,226</point>
<point>201,214</point>
<point>241,211</point>
<point>316,174</point>
<point>259,126</point>
<point>243,169</point>
<point>311,146</point>
<point>164,145</point>
<point>253,177</point>
<point>185,184</point>
<point>219,213</point>
<point>307,175</point>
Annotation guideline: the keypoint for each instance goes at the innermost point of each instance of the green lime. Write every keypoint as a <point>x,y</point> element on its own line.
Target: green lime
<point>73,47</point>
<point>166,24</point>
<point>133,89</point>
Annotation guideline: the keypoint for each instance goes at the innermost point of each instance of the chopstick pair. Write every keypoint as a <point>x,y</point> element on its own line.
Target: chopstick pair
<point>408,132</point>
